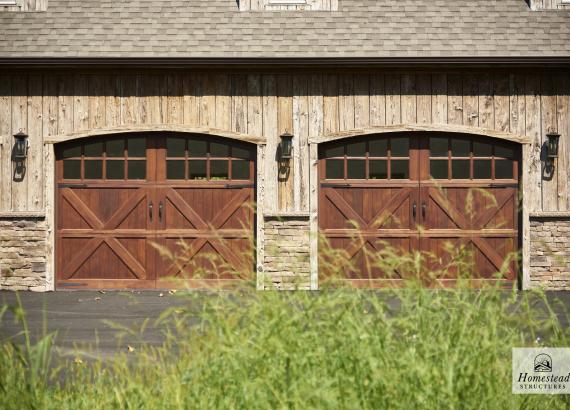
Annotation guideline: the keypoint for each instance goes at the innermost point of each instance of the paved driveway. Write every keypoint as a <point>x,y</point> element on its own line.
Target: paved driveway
<point>91,320</point>
<point>82,318</point>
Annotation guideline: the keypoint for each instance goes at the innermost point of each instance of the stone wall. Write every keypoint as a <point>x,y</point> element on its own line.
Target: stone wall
<point>286,262</point>
<point>550,253</point>
<point>23,253</point>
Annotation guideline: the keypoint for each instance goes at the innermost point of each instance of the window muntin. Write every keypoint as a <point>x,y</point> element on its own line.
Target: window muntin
<point>464,158</point>
<point>115,159</point>
<point>370,158</point>
<point>197,158</point>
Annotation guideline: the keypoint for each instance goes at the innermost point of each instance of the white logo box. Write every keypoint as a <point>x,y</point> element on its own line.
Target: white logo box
<point>544,370</point>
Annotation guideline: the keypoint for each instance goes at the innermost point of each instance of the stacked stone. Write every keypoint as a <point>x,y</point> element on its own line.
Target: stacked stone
<point>550,253</point>
<point>23,253</point>
<point>286,262</point>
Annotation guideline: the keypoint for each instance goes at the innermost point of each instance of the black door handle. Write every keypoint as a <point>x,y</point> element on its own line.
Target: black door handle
<point>160,211</point>
<point>414,210</point>
<point>150,210</point>
<point>424,206</point>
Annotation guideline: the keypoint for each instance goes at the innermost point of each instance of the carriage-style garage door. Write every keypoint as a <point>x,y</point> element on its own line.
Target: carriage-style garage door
<point>442,194</point>
<point>136,211</point>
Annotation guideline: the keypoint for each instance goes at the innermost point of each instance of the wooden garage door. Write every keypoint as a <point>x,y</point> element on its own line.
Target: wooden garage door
<point>446,196</point>
<point>137,211</point>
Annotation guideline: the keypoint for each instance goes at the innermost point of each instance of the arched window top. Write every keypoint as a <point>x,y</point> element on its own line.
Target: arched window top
<point>412,156</point>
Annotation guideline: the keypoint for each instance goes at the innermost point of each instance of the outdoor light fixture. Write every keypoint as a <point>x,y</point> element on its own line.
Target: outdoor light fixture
<point>286,146</point>
<point>20,151</point>
<point>552,144</point>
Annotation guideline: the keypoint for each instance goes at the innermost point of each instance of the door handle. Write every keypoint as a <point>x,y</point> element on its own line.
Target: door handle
<point>160,211</point>
<point>424,207</point>
<point>414,206</point>
<point>150,210</point>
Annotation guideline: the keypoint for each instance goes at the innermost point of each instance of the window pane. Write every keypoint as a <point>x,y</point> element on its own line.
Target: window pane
<point>400,147</point>
<point>482,169</point>
<point>400,169</point>
<point>504,152</point>
<point>115,169</point>
<point>482,149</point>
<point>218,169</point>
<point>197,169</point>
<point>460,148</point>
<point>137,147</point>
<point>219,150</point>
<point>93,149</point>
<point>504,169</point>
<point>438,169</point>
<point>175,169</point>
<point>136,169</point>
<point>93,169</point>
<point>438,146</point>
<point>116,148</point>
<point>335,168</point>
<point>240,169</point>
<point>241,153</point>
<point>197,148</point>
<point>356,169</point>
<point>378,169</point>
<point>378,148</point>
<point>175,147</point>
<point>72,169</point>
<point>356,149</point>
<point>460,169</point>
<point>71,152</point>
<point>337,151</point>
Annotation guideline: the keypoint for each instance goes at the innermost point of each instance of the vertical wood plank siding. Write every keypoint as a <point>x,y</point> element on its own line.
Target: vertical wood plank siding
<point>307,104</point>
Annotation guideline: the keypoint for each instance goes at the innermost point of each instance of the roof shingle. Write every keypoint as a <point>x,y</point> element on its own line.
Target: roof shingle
<point>216,29</point>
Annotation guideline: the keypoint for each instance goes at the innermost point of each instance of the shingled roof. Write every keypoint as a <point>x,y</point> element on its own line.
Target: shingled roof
<point>215,29</point>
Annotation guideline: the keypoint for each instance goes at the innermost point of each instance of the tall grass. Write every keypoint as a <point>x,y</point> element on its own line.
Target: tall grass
<point>400,348</point>
<point>408,348</point>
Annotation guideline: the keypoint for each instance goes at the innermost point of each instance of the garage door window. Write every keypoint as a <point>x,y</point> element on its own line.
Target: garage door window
<point>112,159</point>
<point>198,159</point>
<point>368,159</point>
<point>462,158</point>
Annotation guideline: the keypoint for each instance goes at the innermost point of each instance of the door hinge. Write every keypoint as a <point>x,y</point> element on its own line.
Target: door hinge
<point>503,186</point>
<point>239,186</point>
<point>72,185</point>
<point>333,185</point>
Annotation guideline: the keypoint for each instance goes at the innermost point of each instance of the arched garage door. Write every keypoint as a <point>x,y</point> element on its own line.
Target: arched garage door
<point>434,193</point>
<point>135,211</point>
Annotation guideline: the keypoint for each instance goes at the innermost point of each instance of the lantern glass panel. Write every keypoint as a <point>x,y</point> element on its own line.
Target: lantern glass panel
<point>553,145</point>
<point>286,146</point>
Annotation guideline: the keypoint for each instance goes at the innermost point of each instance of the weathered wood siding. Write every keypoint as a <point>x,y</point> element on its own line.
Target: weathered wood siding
<point>309,105</point>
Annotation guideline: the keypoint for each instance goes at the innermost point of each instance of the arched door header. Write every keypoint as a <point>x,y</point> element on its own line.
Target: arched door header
<point>457,129</point>
<point>100,132</point>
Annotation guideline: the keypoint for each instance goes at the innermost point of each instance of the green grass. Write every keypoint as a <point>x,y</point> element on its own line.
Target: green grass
<point>338,348</point>
<point>413,348</point>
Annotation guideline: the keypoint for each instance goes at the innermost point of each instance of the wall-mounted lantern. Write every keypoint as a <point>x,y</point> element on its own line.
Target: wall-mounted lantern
<point>552,144</point>
<point>21,144</point>
<point>286,146</point>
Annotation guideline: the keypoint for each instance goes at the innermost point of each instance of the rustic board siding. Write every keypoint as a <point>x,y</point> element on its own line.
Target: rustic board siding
<point>265,105</point>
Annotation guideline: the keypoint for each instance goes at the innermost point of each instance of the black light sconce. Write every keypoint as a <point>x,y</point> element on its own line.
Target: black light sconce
<point>21,145</point>
<point>552,145</point>
<point>286,146</point>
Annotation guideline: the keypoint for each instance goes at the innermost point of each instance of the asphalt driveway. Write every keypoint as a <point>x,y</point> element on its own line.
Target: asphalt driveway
<point>104,323</point>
